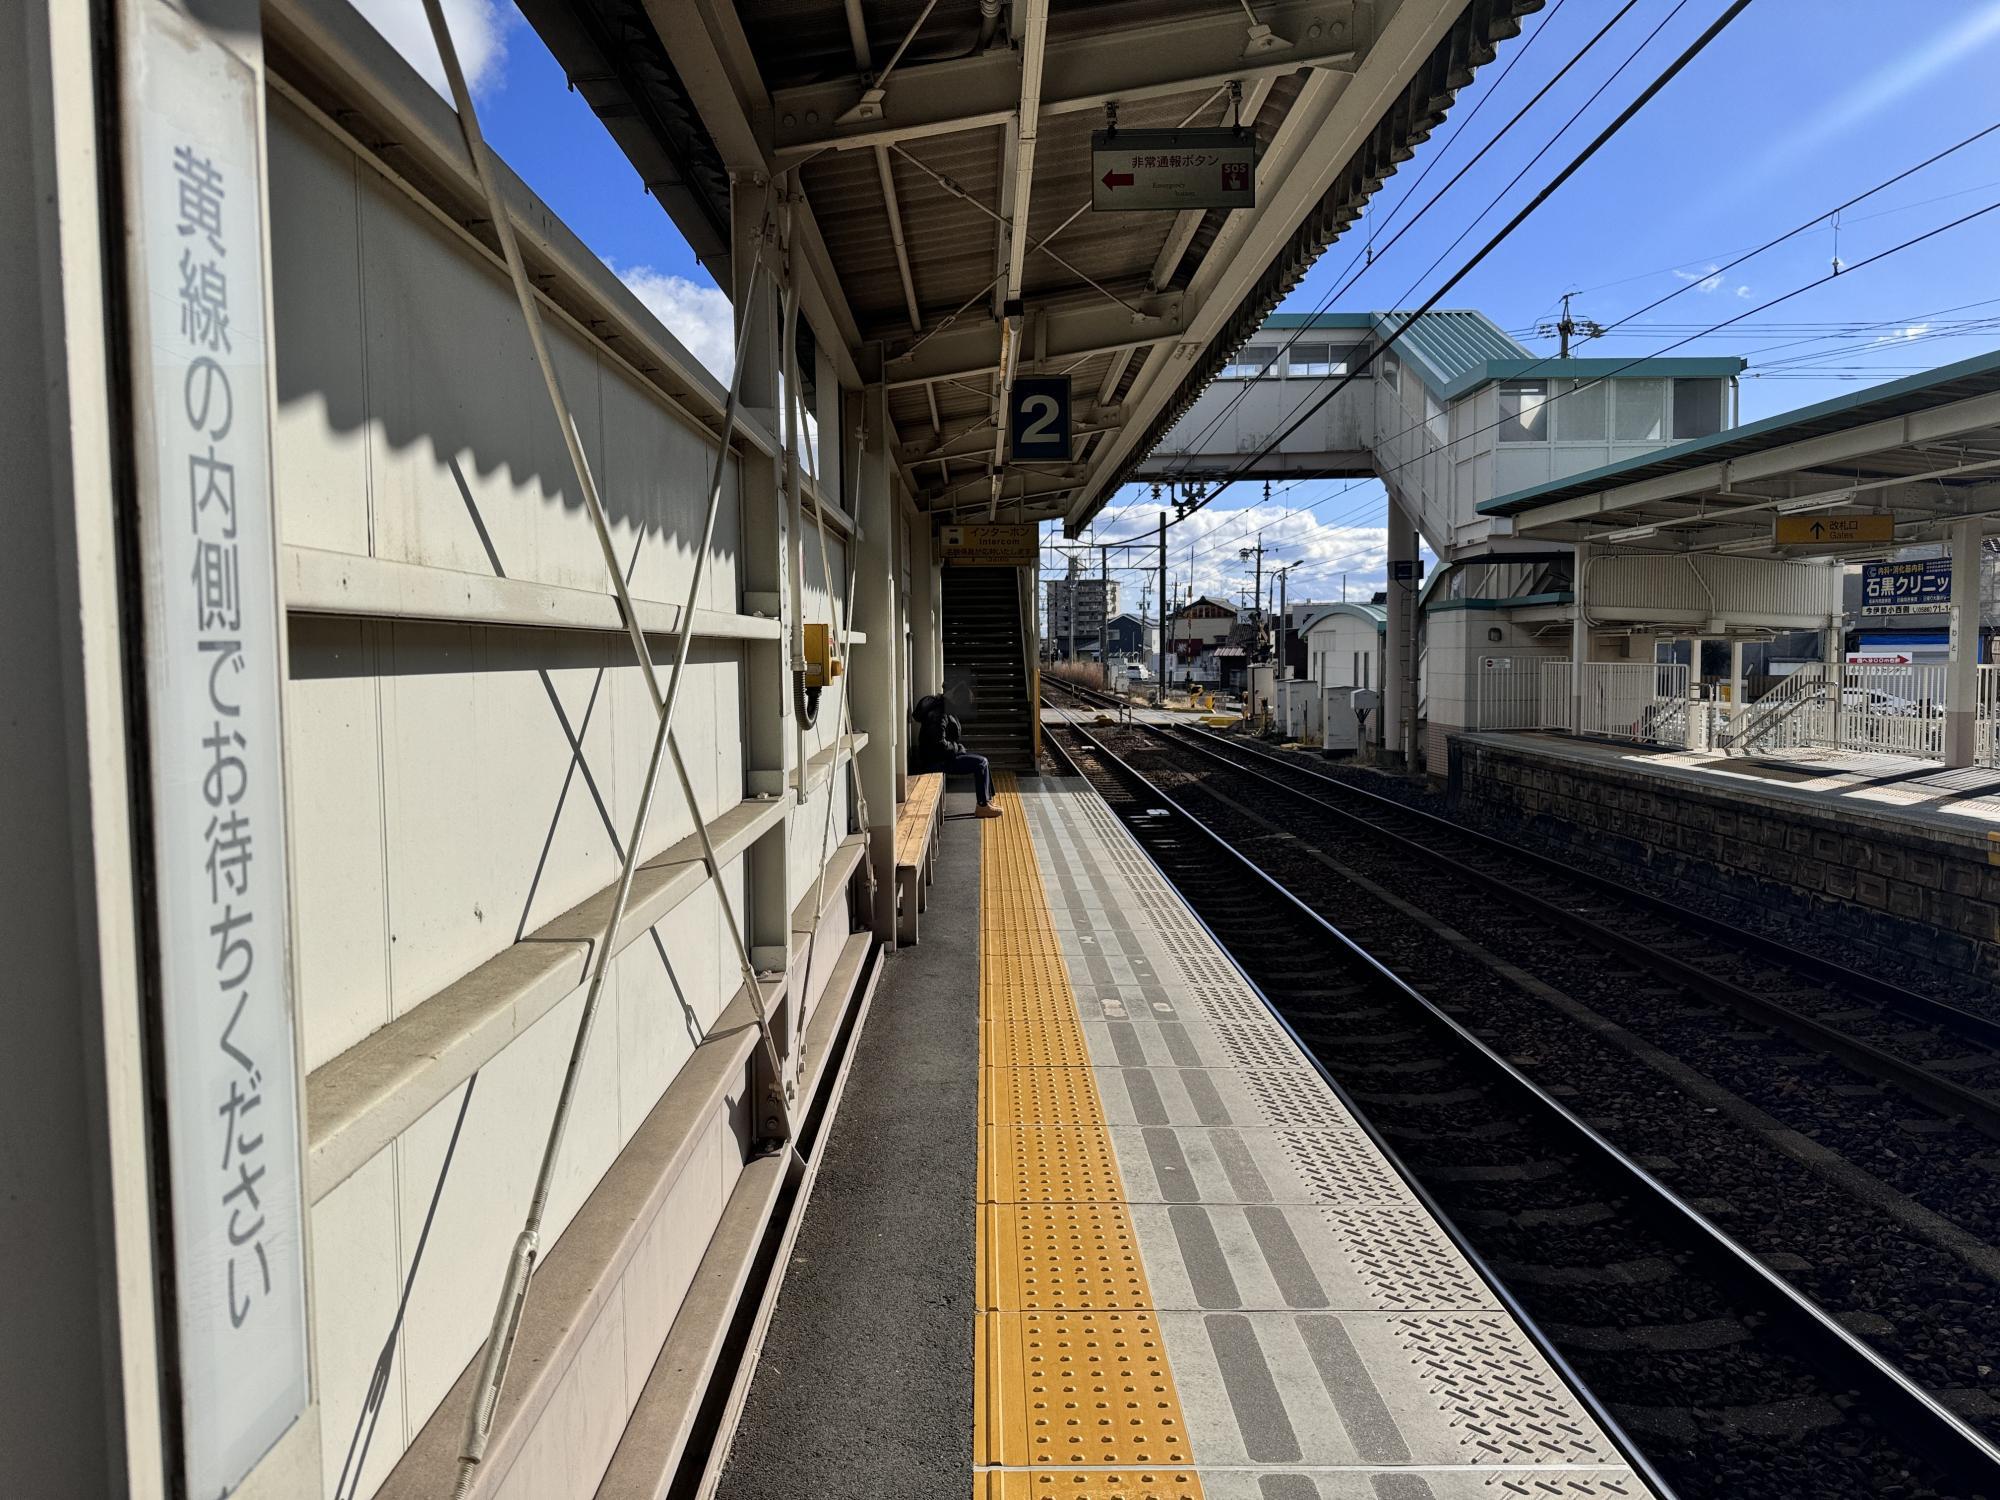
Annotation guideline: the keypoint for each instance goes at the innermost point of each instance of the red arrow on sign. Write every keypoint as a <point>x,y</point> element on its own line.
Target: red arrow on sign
<point>1117,180</point>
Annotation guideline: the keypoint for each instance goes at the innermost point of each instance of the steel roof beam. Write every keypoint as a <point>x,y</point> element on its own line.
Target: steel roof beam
<point>974,350</point>
<point>1081,72</point>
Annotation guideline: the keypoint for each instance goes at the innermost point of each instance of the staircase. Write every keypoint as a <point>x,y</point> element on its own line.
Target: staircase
<point>983,647</point>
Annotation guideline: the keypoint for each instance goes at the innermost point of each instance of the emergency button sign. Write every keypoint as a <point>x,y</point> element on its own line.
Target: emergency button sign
<point>1173,169</point>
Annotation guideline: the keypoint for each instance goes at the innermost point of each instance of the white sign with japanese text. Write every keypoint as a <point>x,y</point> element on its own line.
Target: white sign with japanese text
<point>1173,169</point>
<point>212,680</point>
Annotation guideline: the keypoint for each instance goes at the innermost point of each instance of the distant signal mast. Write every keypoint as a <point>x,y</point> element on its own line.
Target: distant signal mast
<point>1567,328</point>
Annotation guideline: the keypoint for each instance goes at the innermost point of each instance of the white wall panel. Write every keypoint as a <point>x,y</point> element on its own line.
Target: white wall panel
<point>334,754</point>
<point>358,1266</point>
<point>320,438</point>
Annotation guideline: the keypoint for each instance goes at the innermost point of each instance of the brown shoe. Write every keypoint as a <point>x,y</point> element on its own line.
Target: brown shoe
<point>986,810</point>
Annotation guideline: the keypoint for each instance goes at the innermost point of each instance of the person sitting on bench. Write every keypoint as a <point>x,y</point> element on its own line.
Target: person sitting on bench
<point>939,749</point>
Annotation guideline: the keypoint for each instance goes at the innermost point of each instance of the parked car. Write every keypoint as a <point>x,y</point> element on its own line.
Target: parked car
<point>1887,704</point>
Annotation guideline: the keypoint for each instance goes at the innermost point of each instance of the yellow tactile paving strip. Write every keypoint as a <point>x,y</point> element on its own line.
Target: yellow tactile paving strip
<point>1073,1393</point>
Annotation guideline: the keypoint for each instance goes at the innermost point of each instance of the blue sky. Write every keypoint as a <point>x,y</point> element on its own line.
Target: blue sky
<point>1797,106</point>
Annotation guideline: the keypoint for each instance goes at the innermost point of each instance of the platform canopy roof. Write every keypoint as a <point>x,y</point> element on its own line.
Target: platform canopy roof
<point>1925,450</point>
<point>940,153</point>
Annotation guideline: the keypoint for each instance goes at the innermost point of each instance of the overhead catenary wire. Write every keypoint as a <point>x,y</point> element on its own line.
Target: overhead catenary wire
<point>1599,380</point>
<point>1703,330</point>
<point>1345,281</point>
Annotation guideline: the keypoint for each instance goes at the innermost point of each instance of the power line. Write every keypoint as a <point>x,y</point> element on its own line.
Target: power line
<point>1583,385</point>
<point>1344,281</point>
<point>1703,330</point>
<point>1576,164</point>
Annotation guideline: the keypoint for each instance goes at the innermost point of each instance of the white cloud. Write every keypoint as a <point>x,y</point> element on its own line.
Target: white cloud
<point>1707,280</point>
<point>1743,292</point>
<point>699,316</point>
<point>1346,536</point>
<point>478,31</point>
<point>1899,335</point>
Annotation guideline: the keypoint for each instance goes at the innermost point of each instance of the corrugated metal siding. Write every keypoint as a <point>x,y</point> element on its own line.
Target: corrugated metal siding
<point>1448,344</point>
<point>1739,589</point>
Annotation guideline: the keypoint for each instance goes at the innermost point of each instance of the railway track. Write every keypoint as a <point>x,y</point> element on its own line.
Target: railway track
<point>1058,692</point>
<point>1730,1381</point>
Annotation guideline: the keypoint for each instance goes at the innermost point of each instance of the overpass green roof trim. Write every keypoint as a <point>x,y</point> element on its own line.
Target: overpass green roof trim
<point>1694,367</point>
<point>1977,376</point>
<point>1518,601</point>
<point>1455,351</point>
<point>1291,322</point>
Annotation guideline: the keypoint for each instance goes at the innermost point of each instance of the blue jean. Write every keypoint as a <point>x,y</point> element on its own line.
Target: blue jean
<point>975,766</point>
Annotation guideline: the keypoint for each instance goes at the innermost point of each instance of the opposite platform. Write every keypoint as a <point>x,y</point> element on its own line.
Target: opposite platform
<point>1198,1276</point>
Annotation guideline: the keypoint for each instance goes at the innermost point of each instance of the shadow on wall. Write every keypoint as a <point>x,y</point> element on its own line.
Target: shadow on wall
<point>387,321</point>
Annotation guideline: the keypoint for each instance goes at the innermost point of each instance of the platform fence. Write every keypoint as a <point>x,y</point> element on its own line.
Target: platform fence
<point>1556,701</point>
<point>1508,692</point>
<point>1644,702</point>
<point>1986,744</point>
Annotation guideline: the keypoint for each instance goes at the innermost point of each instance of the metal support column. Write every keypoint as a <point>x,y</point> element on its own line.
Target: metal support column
<point>1961,688</point>
<point>1160,687</point>
<point>872,691</point>
<point>1579,637</point>
<point>1398,716</point>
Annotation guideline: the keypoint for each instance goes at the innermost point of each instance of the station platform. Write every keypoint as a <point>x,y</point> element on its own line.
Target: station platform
<point>1880,848</point>
<point>1113,1236</point>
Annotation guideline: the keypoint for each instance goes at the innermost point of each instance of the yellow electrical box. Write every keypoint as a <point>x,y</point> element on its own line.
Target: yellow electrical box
<point>822,666</point>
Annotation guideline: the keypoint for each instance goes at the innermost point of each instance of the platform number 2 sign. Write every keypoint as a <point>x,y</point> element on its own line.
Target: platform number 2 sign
<point>1038,418</point>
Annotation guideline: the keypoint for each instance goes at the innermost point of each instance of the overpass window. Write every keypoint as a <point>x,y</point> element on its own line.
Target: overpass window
<point>1256,362</point>
<point>1438,419</point>
<point>1524,411</point>
<point>1639,414</point>
<point>1312,360</point>
<point>1580,413</point>
<point>1697,408</point>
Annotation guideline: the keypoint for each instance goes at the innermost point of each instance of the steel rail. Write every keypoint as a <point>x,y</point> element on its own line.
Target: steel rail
<point>1919,1007</point>
<point>1900,1405</point>
<point>1980,1109</point>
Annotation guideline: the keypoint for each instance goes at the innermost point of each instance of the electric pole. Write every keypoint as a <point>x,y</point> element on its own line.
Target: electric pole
<point>1160,687</point>
<point>1284,665</point>
<point>1567,328</point>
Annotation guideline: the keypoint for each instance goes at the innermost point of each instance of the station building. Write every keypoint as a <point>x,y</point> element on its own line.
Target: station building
<point>417,652</point>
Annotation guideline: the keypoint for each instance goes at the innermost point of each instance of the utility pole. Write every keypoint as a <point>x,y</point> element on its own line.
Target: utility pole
<point>1284,666</point>
<point>1256,594</point>
<point>1103,598</point>
<point>1071,584</point>
<point>1567,328</point>
<point>1160,687</point>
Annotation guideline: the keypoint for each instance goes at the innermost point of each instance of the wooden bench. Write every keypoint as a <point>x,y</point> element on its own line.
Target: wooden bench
<point>917,825</point>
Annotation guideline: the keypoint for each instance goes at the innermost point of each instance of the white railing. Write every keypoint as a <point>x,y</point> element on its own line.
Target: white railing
<point>1788,717</point>
<point>1555,695</point>
<point>1891,711</point>
<point>1508,693</point>
<point>1645,702</point>
<point>1986,744</point>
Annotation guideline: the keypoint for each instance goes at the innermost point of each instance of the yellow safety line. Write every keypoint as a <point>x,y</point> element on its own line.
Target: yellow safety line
<point>1074,1395</point>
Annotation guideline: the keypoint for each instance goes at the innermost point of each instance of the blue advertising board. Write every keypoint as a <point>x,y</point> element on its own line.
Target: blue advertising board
<point>1906,588</point>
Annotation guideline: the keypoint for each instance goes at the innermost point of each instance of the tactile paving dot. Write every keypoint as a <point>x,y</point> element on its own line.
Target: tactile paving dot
<point>1102,1484</point>
<point>1098,1391</point>
<point>1043,1096</point>
<point>1051,1164</point>
<point>1070,1258</point>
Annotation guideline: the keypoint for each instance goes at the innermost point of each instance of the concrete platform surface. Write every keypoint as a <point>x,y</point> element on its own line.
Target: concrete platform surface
<point>1896,789</point>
